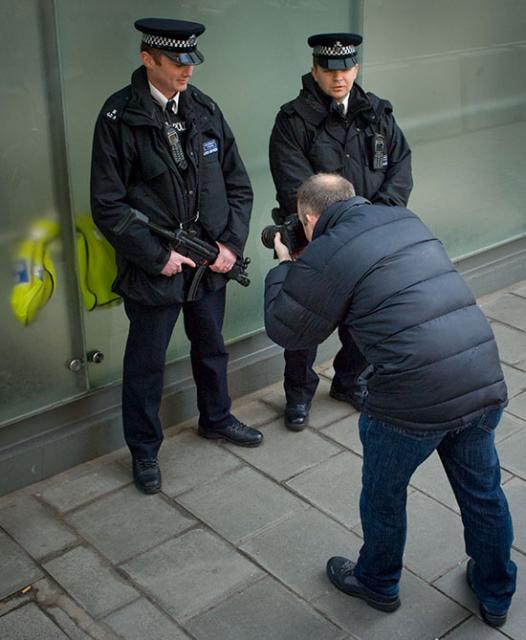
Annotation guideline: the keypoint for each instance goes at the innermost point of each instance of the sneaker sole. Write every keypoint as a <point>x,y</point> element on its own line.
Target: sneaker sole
<point>386,607</point>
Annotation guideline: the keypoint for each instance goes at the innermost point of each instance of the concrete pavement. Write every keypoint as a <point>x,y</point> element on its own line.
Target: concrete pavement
<point>234,548</point>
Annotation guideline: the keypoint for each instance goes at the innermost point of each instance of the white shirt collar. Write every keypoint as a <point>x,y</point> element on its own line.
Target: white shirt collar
<point>345,103</point>
<point>161,99</point>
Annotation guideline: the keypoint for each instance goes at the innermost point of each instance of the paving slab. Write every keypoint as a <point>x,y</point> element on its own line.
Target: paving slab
<point>425,613</point>
<point>127,522</point>
<point>67,624</point>
<point>515,380</point>
<point>29,623</point>
<point>17,569</point>
<point>334,487</point>
<point>511,343</point>
<point>91,581</point>
<point>519,288</point>
<point>512,454</point>
<point>515,491</point>
<point>182,462</point>
<point>255,413</point>
<point>286,453</point>
<point>435,539</point>
<point>326,410</point>
<point>35,527</point>
<point>517,406</point>
<point>297,549</point>
<point>241,504</point>
<point>77,486</point>
<point>509,309</point>
<point>474,629</point>
<point>508,425</point>
<point>141,620</point>
<point>346,433</point>
<point>189,574</point>
<point>521,365</point>
<point>454,585</point>
<point>430,478</point>
<point>265,611</point>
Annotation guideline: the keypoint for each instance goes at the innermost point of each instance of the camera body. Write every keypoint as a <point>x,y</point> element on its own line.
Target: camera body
<point>290,229</point>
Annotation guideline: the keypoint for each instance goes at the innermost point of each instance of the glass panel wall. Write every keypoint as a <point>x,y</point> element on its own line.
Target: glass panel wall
<point>255,53</point>
<point>454,71</point>
<point>40,319</point>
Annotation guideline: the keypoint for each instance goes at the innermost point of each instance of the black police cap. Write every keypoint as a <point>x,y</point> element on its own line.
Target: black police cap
<point>335,50</point>
<point>177,39</point>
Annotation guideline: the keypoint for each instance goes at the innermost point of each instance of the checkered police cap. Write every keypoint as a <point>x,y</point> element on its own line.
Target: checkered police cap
<point>335,50</point>
<point>177,39</point>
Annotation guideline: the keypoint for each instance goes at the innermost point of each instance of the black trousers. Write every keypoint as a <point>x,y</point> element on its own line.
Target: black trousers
<point>144,359</point>
<point>300,379</point>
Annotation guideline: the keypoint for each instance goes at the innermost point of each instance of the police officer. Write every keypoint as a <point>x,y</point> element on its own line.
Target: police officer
<point>334,126</point>
<point>163,147</point>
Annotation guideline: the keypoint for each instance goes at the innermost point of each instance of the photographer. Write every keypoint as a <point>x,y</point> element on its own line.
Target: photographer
<point>436,382</point>
<point>333,125</point>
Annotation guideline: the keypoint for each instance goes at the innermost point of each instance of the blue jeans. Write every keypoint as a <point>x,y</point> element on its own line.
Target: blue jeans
<point>472,466</point>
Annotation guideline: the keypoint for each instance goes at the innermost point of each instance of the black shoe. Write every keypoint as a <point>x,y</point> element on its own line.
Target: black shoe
<point>147,475</point>
<point>236,432</point>
<point>491,619</point>
<point>341,574</point>
<point>297,416</point>
<point>355,395</point>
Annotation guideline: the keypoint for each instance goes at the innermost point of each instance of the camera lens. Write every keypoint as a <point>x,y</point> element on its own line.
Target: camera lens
<point>267,236</point>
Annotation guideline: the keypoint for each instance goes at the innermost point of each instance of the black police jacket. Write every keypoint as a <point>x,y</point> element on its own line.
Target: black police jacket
<point>132,167</point>
<point>381,273</point>
<point>309,136</point>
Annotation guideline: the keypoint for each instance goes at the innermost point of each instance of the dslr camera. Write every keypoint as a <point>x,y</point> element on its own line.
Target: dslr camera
<point>290,228</point>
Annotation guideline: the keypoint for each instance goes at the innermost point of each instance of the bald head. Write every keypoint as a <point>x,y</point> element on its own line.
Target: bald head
<point>321,190</point>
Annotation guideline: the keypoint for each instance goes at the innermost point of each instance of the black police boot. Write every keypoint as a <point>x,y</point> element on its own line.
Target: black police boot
<point>491,619</point>
<point>341,573</point>
<point>147,475</point>
<point>297,416</point>
<point>235,432</point>
<point>354,395</point>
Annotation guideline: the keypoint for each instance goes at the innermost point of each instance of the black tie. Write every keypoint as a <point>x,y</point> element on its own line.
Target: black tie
<point>338,108</point>
<point>173,137</point>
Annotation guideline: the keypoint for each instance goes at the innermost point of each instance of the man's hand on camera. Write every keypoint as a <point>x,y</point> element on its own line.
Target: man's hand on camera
<point>281,250</point>
<point>175,264</point>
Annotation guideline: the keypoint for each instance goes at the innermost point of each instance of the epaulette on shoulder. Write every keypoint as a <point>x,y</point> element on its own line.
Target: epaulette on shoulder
<point>115,105</point>
<point>288,108</point>
<point>203,99</point>
<point>379,104</point>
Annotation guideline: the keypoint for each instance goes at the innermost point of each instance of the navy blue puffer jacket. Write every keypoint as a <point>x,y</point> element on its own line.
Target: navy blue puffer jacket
<point>381,272</point>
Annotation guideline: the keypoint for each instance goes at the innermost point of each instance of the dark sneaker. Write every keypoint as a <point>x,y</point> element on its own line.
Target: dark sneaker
<point>491,619</point>
<point>341,574</point>
<point>147,475</point>
<point>236,432</point>
<point>297,416</point>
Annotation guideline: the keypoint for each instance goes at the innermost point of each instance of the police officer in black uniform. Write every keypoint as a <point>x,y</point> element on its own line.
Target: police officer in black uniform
<point>334,126</point>
<point>163,147</point>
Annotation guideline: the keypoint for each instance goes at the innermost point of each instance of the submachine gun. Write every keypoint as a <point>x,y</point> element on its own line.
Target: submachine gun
<point>201,252</point>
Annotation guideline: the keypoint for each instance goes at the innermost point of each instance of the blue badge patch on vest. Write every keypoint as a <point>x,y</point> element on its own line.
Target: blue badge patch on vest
<point>210,146</point>
<point>385,161</point>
